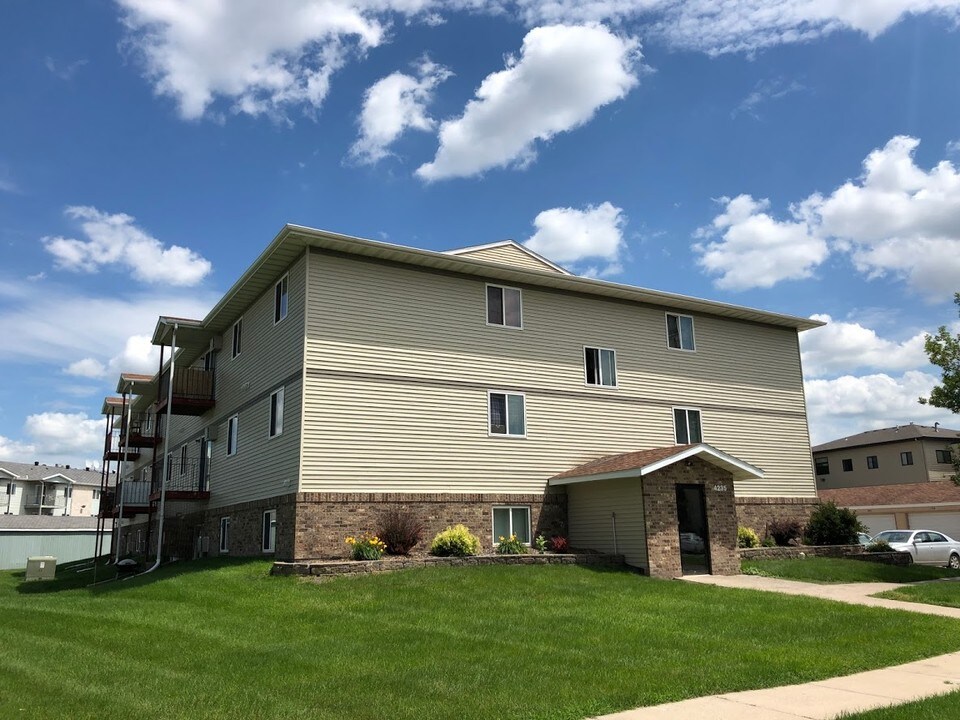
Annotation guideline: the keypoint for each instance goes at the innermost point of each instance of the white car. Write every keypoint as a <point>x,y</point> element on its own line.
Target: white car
<point>926,547</point>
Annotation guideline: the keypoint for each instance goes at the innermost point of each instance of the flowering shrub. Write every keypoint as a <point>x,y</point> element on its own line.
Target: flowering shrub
<point>747,537</point>
<point>559,544</point>
<point>541,543</point>
<point>400,530</point>
<point>366,547</point>
<point>511,546</point>
<point>455,541</point>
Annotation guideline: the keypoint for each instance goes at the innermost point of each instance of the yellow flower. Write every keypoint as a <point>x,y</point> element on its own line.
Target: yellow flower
<point>501,538</point>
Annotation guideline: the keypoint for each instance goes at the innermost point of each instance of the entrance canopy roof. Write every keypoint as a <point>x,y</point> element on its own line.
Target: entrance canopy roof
<point>644,462</point>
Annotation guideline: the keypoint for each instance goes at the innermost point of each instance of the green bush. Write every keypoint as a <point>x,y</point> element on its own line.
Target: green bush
<point>747,537</point>
<point>878,546</point>
<point>511,546</point>
<point>832,525</point>
<point>455,541</point>
<point>366,547</point>
<point>768,542</point>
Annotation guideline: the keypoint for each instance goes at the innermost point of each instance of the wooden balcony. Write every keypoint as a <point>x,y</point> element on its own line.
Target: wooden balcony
<point>115,451</point>
<point>144,432</point>
<point>192,391</point>
<point>136,499</point>
<point>185,480</point>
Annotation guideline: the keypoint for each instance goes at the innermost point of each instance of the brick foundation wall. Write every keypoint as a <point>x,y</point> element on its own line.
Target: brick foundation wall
<point>758,512</point>
<point>323,520</point>
<point>660,511</point>
<point>246,528</point>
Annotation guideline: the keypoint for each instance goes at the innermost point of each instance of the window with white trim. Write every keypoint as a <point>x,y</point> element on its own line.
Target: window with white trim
<point>276,412</point>
<point>237,337</point>
<point>11,488</point>
<point>600,366</point>
<point>686,425</point>
<point>280,300</point>
<point>511,520</point>
<point>183,459</point>
<point>233,434</point>
<point>680,332</point>
<point>504,306</point>
<point>224,534</point>
<point>507,414</point>
<point>269,531</point>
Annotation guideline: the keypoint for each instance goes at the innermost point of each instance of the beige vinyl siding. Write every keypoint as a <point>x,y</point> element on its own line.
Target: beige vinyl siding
<point>508,255</point>
<point>270,354</point>
<point>399,363</point>
<point>890,471</point>
<point>590,512</point>
<point>938,471</point>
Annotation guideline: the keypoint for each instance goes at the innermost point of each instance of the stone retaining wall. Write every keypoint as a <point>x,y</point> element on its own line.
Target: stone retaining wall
<point>366,567</point>
<point>854,552</point>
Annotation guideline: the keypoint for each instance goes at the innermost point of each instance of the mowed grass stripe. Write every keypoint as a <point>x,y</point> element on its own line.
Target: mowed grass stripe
<point>223,639</point>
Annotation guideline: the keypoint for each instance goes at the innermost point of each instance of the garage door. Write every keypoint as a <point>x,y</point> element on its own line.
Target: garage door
<point>947,523</point>
<point>879,523</point>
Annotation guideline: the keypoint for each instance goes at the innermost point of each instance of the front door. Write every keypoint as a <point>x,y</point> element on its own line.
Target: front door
<point>694,535</point>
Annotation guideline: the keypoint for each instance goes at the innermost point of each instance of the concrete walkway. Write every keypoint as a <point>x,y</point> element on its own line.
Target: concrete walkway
<point>824,699</point>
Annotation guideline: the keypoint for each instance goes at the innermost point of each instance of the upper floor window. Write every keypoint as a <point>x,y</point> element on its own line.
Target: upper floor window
<point>280,300</point>
<point>11,488</point>
<point>237,336</point>
<point>944,456</point>
<point>269,531</point>
<point>822,466</point>
<point>906,458</point>
<point>507,414</point>
<point>686,423</point>
<point>600,366</point>
<point>183,459</point>
<point>233,434</point>
<point>872,462</point>
<point>504,306</point>
<point>276,413</point>
<point>847,464</point>
<point>680,332</point>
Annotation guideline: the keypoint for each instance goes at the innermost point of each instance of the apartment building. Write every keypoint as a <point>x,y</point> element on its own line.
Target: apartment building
<point>340,377</point>
<point>39,489</point>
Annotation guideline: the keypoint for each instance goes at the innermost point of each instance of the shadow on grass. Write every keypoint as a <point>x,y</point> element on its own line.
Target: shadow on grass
<point>80,575</point>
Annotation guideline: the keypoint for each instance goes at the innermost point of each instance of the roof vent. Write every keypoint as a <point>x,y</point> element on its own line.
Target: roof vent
<point>66,467</point>
<point>36,463</point>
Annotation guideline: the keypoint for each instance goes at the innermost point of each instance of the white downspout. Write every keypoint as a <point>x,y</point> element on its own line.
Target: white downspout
<point>166,448</point>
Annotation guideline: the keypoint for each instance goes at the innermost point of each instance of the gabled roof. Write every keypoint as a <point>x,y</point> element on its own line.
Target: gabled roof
<point>938,492</point>
<point>897,433</point>
<point>494,252</point>
<point>49,473</point>
<point>644,462</point>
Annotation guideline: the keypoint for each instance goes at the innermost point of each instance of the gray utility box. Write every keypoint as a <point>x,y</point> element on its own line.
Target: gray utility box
<point>43,567</point>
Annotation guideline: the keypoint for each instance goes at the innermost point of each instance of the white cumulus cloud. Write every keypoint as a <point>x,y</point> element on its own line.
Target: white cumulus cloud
<point>114,239</point>
<point>562,75</point>
<point>850,404</point>
<point>897,219</point>
<point>394,104</point>
<point>569,235</point>
<point>754,249</point>
<point>841,346</point>
<point>87,367</point>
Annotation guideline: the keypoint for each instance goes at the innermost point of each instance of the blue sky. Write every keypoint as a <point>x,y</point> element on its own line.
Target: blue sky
<point>782,154</point>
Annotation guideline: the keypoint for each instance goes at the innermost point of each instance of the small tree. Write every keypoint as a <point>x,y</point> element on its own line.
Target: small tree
<point>832,525</point>
<point>943,349</point>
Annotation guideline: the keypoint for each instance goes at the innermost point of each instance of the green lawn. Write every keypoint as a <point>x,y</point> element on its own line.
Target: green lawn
<point>943,593</point>
<point>224,640</point>
<point>838,570</point>
<point>941,707</point>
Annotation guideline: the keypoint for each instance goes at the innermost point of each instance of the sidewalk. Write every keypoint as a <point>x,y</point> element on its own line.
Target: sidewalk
<point>823,699</point>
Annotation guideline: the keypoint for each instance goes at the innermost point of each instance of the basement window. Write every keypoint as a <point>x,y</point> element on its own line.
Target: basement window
<point>509,521</point>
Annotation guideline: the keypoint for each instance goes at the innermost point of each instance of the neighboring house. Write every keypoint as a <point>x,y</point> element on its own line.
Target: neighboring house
<point>37,489</point>
<point>890,456</point>
<point>913,506</point>
<point>340,377</point>
<point>65,538</point>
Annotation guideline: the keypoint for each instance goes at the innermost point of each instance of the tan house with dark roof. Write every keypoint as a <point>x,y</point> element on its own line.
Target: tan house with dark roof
<point>889,456</point>
<point>340,377</point>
